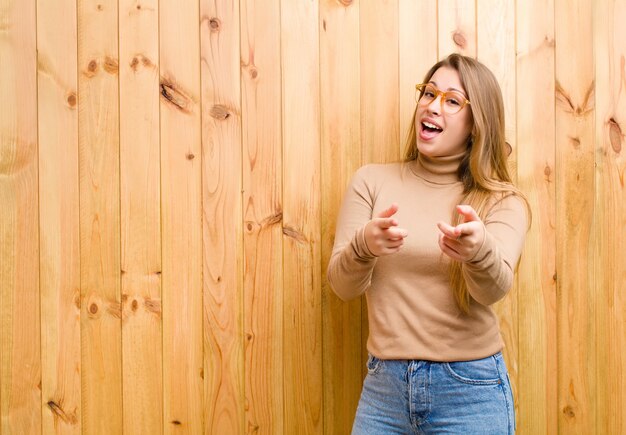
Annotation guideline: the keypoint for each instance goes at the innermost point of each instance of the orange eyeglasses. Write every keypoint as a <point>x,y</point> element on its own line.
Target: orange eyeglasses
<point>451,101</point>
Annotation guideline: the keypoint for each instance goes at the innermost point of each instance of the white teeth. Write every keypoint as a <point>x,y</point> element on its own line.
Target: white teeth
<point>429,125</point>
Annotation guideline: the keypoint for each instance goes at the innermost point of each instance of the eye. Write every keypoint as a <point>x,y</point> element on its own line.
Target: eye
<point>454,99</point>
<point>429,92</point>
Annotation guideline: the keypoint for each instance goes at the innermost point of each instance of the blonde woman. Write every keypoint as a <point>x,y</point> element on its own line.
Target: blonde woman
<point>433,242</point>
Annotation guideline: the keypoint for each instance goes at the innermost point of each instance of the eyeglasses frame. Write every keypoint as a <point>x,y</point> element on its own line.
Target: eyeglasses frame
<point>438,93</point>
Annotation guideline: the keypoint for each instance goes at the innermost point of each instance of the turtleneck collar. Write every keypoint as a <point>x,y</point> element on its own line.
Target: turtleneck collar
<point>438,170</point>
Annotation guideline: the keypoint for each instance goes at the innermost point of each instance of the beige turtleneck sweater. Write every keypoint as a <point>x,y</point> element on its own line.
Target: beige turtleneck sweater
<point>411,308</point>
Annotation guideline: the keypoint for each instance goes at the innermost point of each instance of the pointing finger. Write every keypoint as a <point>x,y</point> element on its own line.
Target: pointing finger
<point>468,213</point>
<point>448,230</point>
<point>390,211</point>
<point>385,223</point>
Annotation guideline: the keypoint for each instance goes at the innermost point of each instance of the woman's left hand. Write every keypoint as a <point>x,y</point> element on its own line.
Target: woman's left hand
<point>462,242</point>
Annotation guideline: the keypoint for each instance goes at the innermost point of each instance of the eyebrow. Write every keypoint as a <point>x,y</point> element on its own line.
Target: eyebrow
<point>450,89</point>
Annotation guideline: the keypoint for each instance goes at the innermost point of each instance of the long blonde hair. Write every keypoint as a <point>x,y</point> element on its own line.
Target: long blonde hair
<point>483,169</point>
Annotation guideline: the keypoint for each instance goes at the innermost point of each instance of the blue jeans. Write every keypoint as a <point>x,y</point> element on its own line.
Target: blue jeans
<point>425,397</point>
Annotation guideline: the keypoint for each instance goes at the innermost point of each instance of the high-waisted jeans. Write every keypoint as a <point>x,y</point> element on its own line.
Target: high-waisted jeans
<point>425,397</point>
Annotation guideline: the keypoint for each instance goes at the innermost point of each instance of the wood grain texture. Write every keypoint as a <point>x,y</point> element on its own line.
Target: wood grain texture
<point>417,52</point>
<point>181,214</point>
<point>610,215</point>
<point>98,139</point>
<point>59,217</point>
<point>380,122</point>
<point>340,158</point>
<point>263,216</point>
<point>302,309</point>
<point>140,217</point>
<point>222,218</point>
<point>537,374</point>
<point>20,358</point>
<point>456,27</point>
<point>576,295</point>
<point>379,82</point>
<point>230,185</point>
<point>495,47</point>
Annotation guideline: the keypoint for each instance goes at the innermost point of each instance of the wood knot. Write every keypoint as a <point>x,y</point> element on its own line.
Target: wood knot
<point>219,112</point>
<point>459,39</point>
<point>153,306</point>
<point>568,411</point>
<point>93,308</point>
<point>176,422</point>
<point>92,68</point>
<point>71,99</point>
<point>547,171</point>
<point>100,7</point>
<point>134,305</point>
<point>175,96</point>
<point>254,73</point>
<point>60,413</point>
<point>249,226</point>
<point>295,234</point>
<point>615,135</point>
<point>110,65</point>
<point>190,156</point>
<point>134,63</point>
<point>138,7</point>
<point>215,24</point>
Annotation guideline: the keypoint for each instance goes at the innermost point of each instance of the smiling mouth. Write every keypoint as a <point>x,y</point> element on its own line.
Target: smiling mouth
<point>431,128</point>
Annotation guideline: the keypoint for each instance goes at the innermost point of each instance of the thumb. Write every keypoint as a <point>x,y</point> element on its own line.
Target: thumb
<point>390,211</point>
<point>468,212</point>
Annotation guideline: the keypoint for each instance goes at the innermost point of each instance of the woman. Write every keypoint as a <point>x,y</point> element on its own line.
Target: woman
<point>435,362</point>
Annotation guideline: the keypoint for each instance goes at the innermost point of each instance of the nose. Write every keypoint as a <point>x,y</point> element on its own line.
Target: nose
<point>436,106</point>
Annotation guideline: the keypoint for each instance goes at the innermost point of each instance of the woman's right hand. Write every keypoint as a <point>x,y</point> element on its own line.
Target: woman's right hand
<point>382,234</point>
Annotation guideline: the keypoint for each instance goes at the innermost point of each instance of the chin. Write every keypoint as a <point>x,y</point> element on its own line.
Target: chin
<point>427,149</point>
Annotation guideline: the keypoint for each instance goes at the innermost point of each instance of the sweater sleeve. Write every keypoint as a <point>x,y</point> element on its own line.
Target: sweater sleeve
<point>351,263</point>
<point>489,274</point>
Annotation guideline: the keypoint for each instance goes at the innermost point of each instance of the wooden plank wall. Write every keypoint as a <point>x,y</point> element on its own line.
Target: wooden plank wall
<point>170,176</point>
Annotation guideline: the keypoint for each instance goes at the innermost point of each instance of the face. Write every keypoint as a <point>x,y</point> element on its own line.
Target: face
<point>438,133</point>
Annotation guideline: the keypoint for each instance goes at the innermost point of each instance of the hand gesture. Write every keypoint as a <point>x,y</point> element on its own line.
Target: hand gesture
<point>463,241</point>
<point>382,235</point>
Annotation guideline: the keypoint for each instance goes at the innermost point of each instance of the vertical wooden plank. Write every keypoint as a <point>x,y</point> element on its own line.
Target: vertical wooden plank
<point>98,139</point>
<point>263,215</point>
<point>340,158</point>
<point>140,217</point>
<point>537,373</point>
<point>495,47</point>
<point>301,217</point>
<point>575,105</point>
<point>379,98</point>
<point>222,217</point>
<point>610,216</point>
<point>59,217</point>
<point>457,27</point>
<point>20,337</point>
<point>379,81</point>
<point>181,214</point>
<point>417,52</point>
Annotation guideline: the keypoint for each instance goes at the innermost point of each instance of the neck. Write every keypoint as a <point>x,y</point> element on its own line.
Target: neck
<point>439,170</point>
